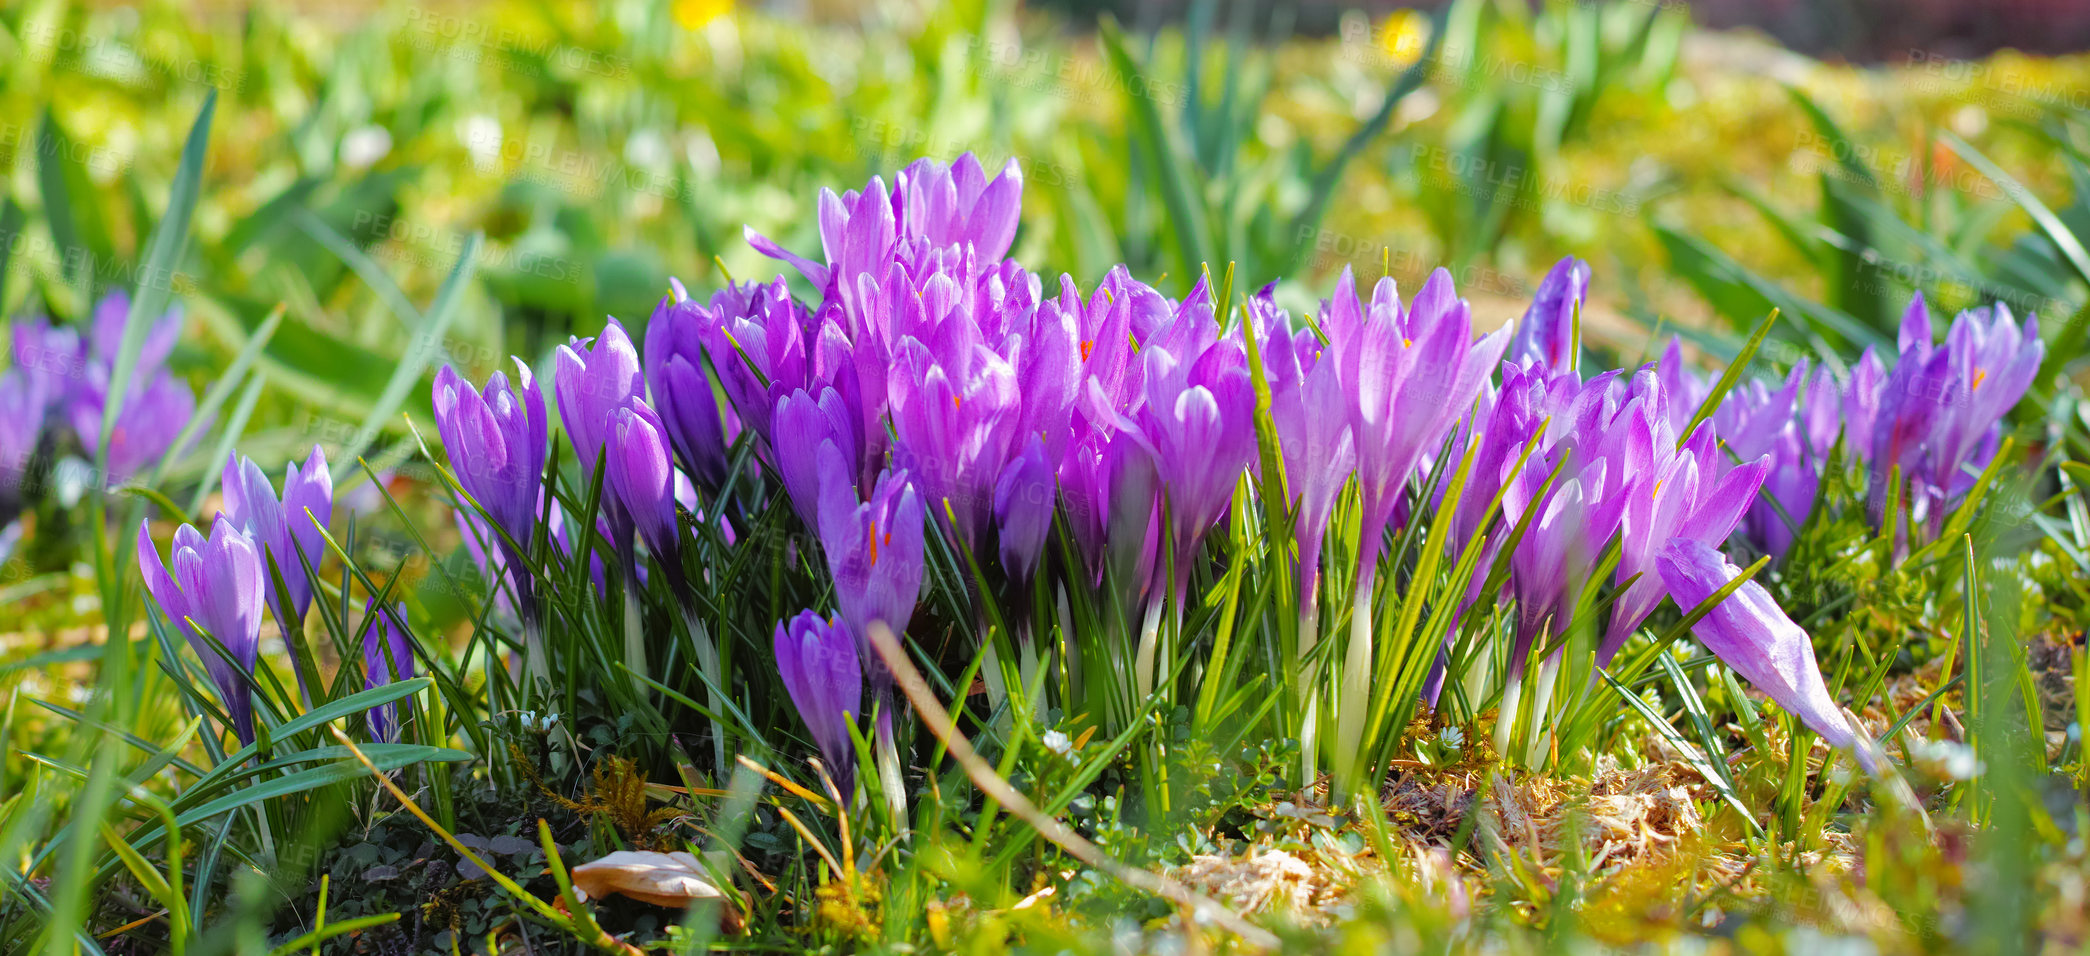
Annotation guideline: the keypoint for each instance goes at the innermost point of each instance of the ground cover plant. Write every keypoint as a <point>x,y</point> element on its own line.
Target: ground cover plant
<point>866,589</point>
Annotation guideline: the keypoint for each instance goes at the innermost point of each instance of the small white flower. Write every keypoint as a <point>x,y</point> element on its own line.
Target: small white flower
<point>531,720</point>
<point>1058,743</point>
<point>481,135</point>
<point>1945,759</point>
<point>364,146</point>
<point>1451,738</point>
<point>647,149</point>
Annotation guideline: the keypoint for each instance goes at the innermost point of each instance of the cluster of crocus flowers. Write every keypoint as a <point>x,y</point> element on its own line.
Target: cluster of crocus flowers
<point>211,589</point>
<point>498,438</point>
<point>1935,419</point>
<point>216,589</point>
<point>290,530</point>
<point>931,389</point>
<point>1937,415</point>
<point>262,559</point>
<point>59,383</point>
<point>155,406</point>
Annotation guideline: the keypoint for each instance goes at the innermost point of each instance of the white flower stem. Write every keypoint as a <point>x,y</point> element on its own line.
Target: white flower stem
<point>1506,717</point>
<point>997,689</point>
<point>1029,666</point>
<point>1149,641</point>
<point>707,664</point>
<point>1355,695</point>
<point>1540,728</point>
<point>634,637</point>
<point>1070,648</point>
<point>1309,723</point>
<point>888,757</point>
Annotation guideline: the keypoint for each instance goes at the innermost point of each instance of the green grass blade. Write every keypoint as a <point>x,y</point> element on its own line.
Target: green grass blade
<point>426,344</point>
<point>156,273</point>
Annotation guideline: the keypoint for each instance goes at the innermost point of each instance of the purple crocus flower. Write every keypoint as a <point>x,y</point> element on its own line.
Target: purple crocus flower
<point>593,379</point>
<point>1683,391</point>
<point>1504,421</point>
<point>289,531</point>
<point>1693,496</point>
<point>497,439</point>
<point>1998,362</point>
<point>1799,457</point>
<point>215,587</point>
<point>812,424</point>
<point>1547,333</point>
<point>388,656</point>
<point>1915,407</point>
<point>759,342</point>
<point>957,205</point>
<point>1023,499</point>
<point>1109,385</point>
<point>52,359</point>
<point>1754,414</point>
<point>1861,404</point>
<point>817,658</point>
<point>1196,422</point>
<point>933,212</point>
<point>1754,637</point>
<point>642,476</point>
<point>874,550</point>
<point>1821,414</point>
<point>1319,451</point>
<point>1607,457</point>
<point>21,428</point>
<point>1794,482</point>
<point>857,233</point>
<point>1411,375</point>
<point>682,391</point>
<point>110,316</point>
<point>147,422</point>
<point>955,407</point>
<point>150,417</point>
<point>286,528</point>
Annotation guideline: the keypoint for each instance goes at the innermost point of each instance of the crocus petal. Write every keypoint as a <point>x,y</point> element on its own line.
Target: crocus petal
<point>1754,637</point>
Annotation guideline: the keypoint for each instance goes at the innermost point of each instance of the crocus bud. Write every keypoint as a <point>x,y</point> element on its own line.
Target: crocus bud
<point>1752,635</point>
<point>817,658</point>
<point>1547,333</point>
<point>285,528</point>
<point>594,378</point>
<point>811,423</point>
<point>682,392</point>
<point>215,586</point>
<point>497,443</point>
<point>1023,500</point>
<point>874,550</point>
<point>388,655</point>
<point>643,477</point>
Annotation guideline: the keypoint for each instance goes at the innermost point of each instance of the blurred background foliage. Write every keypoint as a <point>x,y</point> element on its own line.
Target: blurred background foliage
<point>603,148</point>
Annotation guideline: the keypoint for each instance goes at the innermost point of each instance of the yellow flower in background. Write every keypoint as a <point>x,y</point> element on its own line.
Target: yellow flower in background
<point>697,14</point>
<point>1403,36</point>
